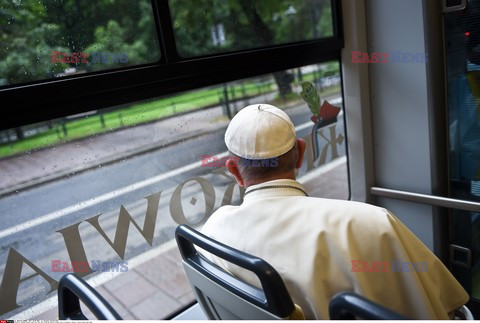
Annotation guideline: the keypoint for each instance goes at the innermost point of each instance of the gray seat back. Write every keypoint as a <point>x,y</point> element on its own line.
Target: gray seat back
<point>224,296</point>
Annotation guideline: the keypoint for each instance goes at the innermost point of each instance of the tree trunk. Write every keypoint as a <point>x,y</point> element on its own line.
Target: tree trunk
<point>283,79</point>
<point>19,133</point>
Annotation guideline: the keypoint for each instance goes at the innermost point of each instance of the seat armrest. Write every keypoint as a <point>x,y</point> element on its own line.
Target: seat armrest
<point>72,289</point>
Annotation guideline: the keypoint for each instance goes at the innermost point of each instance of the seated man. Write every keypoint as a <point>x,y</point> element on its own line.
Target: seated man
<point>321,246</point>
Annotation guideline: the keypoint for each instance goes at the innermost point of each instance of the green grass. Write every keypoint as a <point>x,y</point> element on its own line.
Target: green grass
<point>130,116</point>
<point>144,112</point>
<point>46,139</point>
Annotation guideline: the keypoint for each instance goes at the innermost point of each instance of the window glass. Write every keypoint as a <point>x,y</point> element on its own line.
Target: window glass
<point>101,193</point>
<point>462,32</point>
<point>212,26</point>
<point>43,39</point>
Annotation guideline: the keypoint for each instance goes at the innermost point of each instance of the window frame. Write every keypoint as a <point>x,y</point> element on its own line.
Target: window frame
<point>44,100</point>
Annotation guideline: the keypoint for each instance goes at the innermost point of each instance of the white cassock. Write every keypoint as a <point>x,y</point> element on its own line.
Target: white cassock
<point>323,246</point>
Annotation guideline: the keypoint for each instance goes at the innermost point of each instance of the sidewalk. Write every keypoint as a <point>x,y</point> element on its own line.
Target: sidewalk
<point>38,167</point>
<point>152,290</point>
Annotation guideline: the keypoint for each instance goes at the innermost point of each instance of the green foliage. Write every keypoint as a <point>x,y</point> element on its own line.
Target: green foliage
<point>32,29</point>
<point>332,68</point>
<point>247,23</point>
<point>26,42</point>
<point>111,39</point>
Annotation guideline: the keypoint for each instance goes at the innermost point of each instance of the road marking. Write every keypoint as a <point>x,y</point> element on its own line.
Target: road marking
<point>127,189</point>
<point>99,199</point>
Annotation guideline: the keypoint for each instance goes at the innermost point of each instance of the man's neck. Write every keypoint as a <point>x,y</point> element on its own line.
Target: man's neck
<point>271,178</point>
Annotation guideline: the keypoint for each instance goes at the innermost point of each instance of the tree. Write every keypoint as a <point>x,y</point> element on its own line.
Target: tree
<point>33,29</point>
<point>249,24</point>
<point>27,42</point>
<point>266,36</point>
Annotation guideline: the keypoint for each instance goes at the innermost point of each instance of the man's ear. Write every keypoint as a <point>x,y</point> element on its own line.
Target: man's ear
<point>233,169</point>
<point>301,146</point>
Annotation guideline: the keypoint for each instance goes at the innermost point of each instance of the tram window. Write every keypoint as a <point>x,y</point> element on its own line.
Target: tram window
<point>48,39</point>
<point>105,190</point>
<point>214,26</point>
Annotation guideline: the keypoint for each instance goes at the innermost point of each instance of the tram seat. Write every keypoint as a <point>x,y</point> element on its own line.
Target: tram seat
<point>464,313</point>
<point>350,306</point>
<point>72,289</point>
<point>222,295</point>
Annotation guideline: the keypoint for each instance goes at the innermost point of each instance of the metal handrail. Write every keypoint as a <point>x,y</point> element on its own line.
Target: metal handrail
<point>73,289</point>
<point>427,199</point>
